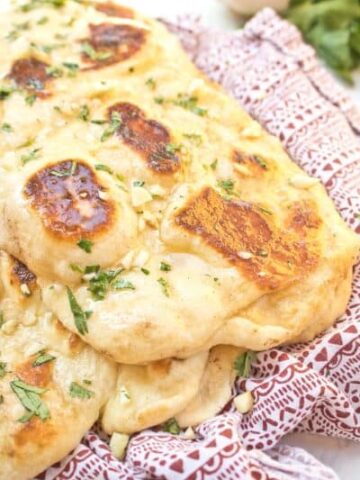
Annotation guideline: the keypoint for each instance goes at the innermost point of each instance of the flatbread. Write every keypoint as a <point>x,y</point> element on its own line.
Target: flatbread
<point>149,395</point>
<point>215,389</point>
<point>72,381</point>
<point>207,216</point>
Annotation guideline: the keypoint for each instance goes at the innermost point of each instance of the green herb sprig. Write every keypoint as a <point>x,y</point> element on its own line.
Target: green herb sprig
<point>333,28</point>
<point>242,364</point>
<point>30,398</point>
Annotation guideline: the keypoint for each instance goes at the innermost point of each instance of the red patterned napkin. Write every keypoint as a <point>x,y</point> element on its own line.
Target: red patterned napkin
<point>312,387</point>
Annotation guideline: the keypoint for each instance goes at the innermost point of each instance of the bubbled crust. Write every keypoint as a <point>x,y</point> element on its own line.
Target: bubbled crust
<point>62,203</point>
<point>147,137</point>
<point>246,237</point>
<point>113,44</point>
<point>31,74</point>
<point>68,198</point>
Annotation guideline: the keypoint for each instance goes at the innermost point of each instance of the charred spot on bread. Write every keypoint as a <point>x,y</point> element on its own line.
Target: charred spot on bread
<point>68,198</point>
<point>110,43</point>
<point>248,238</point>
<point>32,75</point>
<point>303,216</point>
<point>20,275</point>
<point>147,137</point>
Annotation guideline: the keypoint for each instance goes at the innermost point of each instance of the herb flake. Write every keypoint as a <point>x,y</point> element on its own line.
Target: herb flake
<point>164,285</point>
<point>85,245</point>
<point>30,398</point>
<point>80,316</point>
<point>242,364</point>
<point>78,391</point>
<point>114,124</point>
<point>42,358</point>
<point>171,426</point>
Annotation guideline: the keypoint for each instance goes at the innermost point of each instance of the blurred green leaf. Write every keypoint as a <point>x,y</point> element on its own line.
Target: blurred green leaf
<point>333,28</point>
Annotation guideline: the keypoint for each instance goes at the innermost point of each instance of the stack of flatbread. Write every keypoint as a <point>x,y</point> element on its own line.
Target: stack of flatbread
<point>151,234</point>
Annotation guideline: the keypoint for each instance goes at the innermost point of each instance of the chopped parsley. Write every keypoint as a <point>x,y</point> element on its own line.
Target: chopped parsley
<point>242,364</point>
<point>227,186</point>
<point>3,369</point>
<point>76,268</point>
<point>1,399</point>
<point>29,157</point>
<point>103,168</point>
<point>48,48</point>
<point>260,161</point>
<point>194,138</point>
<point>164,285</point>
<point>172,148</point>
<point>84,113</point>
<point>114,124</point>
<point>189,103</point>
<point>6,127</point>
<point>171,426</point>
<point>65,173</point>
<point>138,183</point>
<point>2,319</point>
<point>30,99</point>
<point>15,34</point>
<point>30,398</point>
<point>85,245</point>
<point>102,281</point>
<point>98,122</point>
<point>165,267</point>
<point>54,72</point>
<point>265,210</point>
<point>78,391</point>
<point>213,165</point>
<point>42,20</point>
<point>94,55</point>
<point>357,215</point>
<point>72,68</point>
<point>145,271</point>
<point>6,91</point>
<point>42,358</point>
<point>159,100</point>
<point>123,284</point>
<point>150,82</point>
<point>32,4</point>
<point>80,316</point>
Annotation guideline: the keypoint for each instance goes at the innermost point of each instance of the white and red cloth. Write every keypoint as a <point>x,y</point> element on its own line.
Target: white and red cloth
<point>312,387</point>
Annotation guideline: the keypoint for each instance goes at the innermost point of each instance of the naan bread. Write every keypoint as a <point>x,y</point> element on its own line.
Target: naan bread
<point>215,388</point>
<point>149,395</point>
<point>68,387</point>
<point>221,238</point>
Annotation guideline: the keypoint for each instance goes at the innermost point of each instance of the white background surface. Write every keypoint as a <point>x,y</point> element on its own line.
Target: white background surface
<point>343,456</point>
